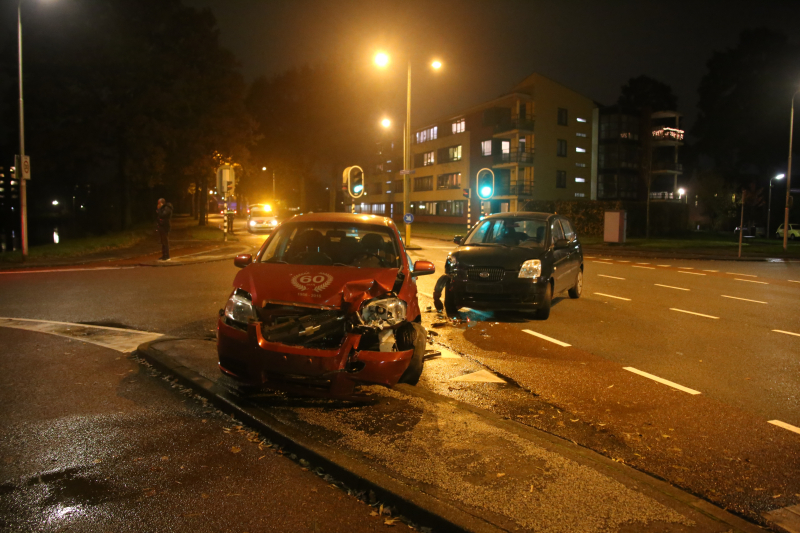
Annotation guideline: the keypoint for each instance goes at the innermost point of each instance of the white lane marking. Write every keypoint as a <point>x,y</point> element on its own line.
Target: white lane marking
<point>621,261</point>
<point>786,332</point>
<point>794,281</point>
<point>664,265</point>
<point>649,268</point>
<point>589,256</point>
<point>120,339</point>
<point>743,299</point>
<point>642,263</point>
<point>687,268</point>
<point>612,277</point>
<point>687,272</point>
<point>671,287</point>
<point>545,337</point>
<point>602,262</point>
<point>481,376</point>
<point>710,270</point>
<point>661,380</point>
<point>693,313</point>
<point>752,281</point>
<point>64,270</point>
<point>610,296</point>
<point>784,425</point>
<point>746,275</point>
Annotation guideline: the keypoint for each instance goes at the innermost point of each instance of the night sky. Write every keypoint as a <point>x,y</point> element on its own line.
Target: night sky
<point>487,46</point>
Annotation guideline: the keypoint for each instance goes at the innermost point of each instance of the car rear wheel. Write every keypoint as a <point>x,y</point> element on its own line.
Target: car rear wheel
<point>543,313</point>
<point>415,337</point>
<point>577,290</point>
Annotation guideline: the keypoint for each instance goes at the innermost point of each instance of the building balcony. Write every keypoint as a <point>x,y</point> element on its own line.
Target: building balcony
<point>514,189</point>
<point>515,126</point>
<point>667,167</point>
<point>513,159</point>
<point>665,136</point>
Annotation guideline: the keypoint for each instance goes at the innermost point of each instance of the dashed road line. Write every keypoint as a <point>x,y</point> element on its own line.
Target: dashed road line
<point>786,332</point>
<point>642,263</point>
<point>687,268</point>
<point>687,272</point>
<point>612,277</point>
<point>64,270</point>
<point>752,281</point>
<point>710,270</point>
<point>693,313</point>
<point>622,261</point>
<point>671,287</point>
<point>545,337</point>
<point>648,268</point>
<point>610,296</point>
<point>794,281</point>
<point>743,299</point>
<point>737,274</point>
<point>661,380</point>
<point>664,266</point>
<point>602,262</point>
<point>784,425</point>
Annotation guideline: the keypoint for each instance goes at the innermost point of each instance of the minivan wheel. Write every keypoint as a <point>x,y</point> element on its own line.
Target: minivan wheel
<point>451,307</point>
<point>577,290</point>
<point>544,311</point>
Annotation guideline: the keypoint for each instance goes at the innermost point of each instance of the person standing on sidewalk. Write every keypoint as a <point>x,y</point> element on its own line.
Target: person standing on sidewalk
<point>163,215</point>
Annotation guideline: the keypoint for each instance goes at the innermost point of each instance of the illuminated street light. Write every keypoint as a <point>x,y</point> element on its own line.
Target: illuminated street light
<point>381,59</point>
<point>264,168</point>
<point>769,203</point>
<point>437,65</point>
<point>386,123</point>
<point>55,202</point>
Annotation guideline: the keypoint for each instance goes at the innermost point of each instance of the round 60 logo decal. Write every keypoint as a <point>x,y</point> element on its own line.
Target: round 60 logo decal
<point>316,282</point>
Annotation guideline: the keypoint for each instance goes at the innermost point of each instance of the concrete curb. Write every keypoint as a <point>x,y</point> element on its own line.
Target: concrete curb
<point>413,503</point>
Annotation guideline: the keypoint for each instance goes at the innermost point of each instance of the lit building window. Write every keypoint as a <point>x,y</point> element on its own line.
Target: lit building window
<point>580,150</point>
<point>454,153</point>
<point>486,147</point>
<point>580,180</point>
<point>428,134</point>
<point>582,165</point>
<point>505,147</point>
<point>579,134</point>
<point>581,119</point>
<point>459,126</point>
<point>580,195</point>
<point>427,159</point>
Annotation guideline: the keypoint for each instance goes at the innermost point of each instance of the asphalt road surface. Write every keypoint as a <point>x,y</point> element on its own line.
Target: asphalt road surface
<point>724,335</point>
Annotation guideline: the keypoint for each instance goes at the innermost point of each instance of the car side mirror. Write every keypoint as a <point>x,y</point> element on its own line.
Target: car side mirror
<point>242,260</point>
<point>423,268</point>
<point>561,243</point>
<point>457,239</point>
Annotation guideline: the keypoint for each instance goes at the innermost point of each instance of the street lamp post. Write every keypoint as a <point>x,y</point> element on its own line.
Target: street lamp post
<point>789,177</point>
<point>382,59</point>
<point>769,202</point>
<point>23,199</point>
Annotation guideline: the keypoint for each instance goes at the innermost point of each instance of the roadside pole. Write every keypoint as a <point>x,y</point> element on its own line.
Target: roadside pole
<point>468,196</point>
<point>225,221</point>
<point>741,225</point>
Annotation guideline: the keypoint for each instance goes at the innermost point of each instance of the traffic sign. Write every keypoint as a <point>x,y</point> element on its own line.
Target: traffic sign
<point>408,218</point>
<point>26,167</point>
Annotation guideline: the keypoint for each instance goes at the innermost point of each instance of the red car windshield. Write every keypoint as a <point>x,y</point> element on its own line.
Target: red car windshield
<point>335,244</point>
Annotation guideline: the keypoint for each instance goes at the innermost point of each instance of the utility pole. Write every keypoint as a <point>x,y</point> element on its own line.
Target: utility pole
<point>741,225</point>
<point>21,172</point>
<point>788,178</point>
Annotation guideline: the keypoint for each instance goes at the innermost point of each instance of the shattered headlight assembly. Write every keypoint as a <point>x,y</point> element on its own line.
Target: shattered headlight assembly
<point>239,308</point>
<point>451,264</point>
<point>531,269</point>
<point>383,312</point>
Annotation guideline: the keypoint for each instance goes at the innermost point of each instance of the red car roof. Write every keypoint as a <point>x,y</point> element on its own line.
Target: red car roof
<point>347,218</point>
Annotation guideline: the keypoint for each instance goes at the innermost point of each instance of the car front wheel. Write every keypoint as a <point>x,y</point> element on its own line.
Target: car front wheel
<point>577,290</point>
<point>413,335</point>
<point>543,313</point>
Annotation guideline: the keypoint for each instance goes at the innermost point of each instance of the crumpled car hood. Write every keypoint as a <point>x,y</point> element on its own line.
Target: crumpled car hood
<point>323,286</point>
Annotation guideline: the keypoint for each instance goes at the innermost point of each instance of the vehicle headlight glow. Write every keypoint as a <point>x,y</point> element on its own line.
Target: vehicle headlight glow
<point>252,222</point>
<point>383,312</point>
<point>531,269</point>
<point>239,308</point>
<point>274,222</point>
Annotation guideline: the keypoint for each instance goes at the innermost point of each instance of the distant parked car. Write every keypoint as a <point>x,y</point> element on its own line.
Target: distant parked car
<point>261,218</point>
<point>794,232</point>
<point>751,231</point>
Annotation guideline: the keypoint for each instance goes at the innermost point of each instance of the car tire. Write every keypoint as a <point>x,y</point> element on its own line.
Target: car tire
<point>791,236</point>
<point>414,371</point>
<point>576,291</point>
<point>451,307</point>
<point>543,313</point>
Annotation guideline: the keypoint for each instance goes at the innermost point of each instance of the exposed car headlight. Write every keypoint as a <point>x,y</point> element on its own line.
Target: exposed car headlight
<point>383,312</point>
<point>239,308</point>
<point>274,222</point>
<point>252,222</point>
<point>531,269</point>
<point>451,264</point>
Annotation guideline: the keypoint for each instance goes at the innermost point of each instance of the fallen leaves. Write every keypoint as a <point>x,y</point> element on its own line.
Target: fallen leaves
<point>500,474</point>
<point>235,449</point>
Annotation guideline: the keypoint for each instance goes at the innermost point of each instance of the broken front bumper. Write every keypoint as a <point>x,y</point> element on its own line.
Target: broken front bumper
<point>248,357</point>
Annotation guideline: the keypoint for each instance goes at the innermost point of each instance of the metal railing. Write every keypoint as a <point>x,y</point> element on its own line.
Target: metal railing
<point>516,123</point>
<point>667,165</point>
<point>513,157</point>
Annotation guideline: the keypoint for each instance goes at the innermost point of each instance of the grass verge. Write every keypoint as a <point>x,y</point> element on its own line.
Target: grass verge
<point>81,246</point>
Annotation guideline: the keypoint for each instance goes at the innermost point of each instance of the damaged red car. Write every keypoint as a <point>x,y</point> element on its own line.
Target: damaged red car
<point>329,302</point>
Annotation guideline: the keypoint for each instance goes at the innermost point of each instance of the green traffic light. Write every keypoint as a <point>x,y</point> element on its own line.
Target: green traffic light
<point>486,191</point>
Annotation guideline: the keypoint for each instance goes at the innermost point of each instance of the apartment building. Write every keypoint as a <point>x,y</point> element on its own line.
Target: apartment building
<point>539,140</point>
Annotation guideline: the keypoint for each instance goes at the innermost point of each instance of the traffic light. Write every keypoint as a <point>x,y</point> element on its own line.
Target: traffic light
<point>485,184</point>
<point>354,181</point>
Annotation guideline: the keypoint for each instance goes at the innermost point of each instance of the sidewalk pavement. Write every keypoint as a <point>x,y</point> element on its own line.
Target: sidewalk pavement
<point>449,465</point>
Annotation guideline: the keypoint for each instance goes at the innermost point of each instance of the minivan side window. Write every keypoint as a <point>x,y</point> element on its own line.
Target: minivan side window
<point>569,234</point>
<point>556,231</point>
